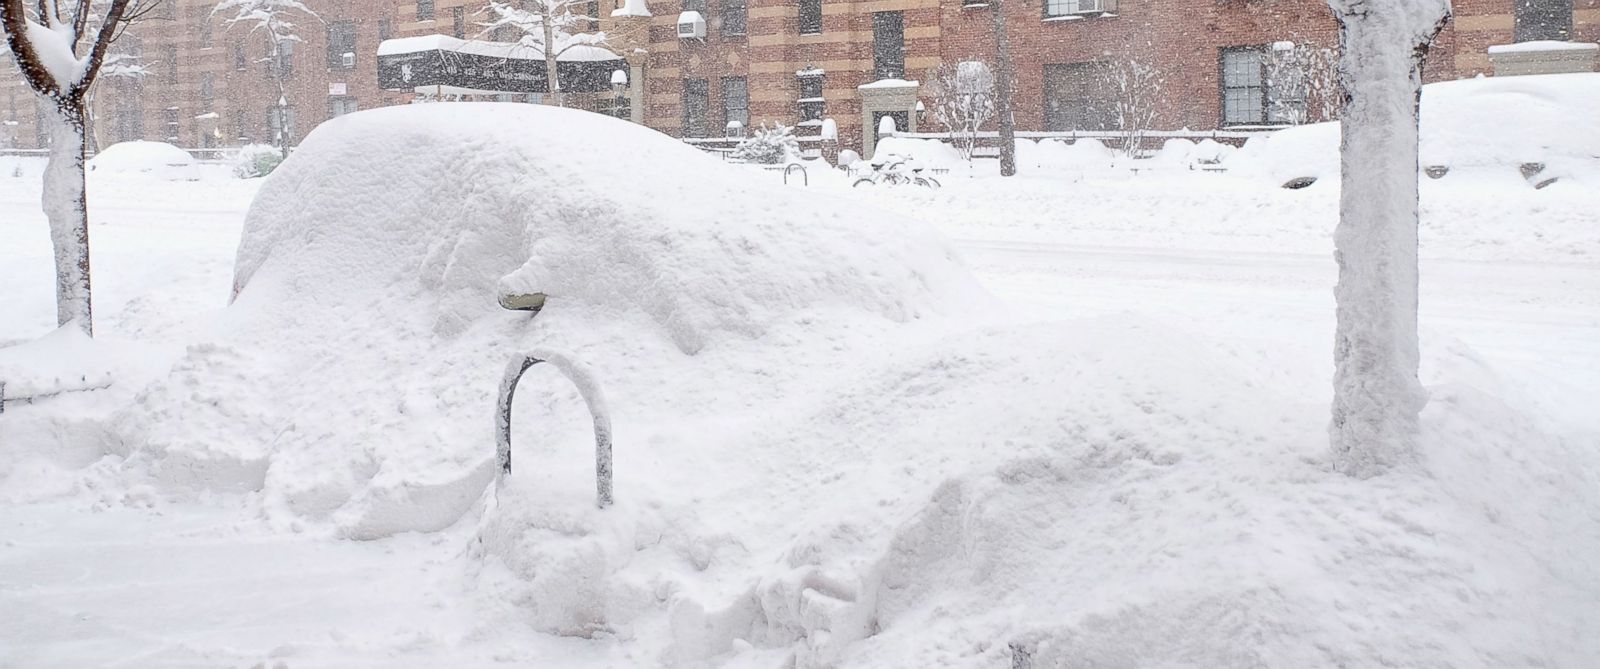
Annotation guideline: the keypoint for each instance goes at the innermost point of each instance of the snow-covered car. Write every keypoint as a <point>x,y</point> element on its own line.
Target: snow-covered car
<point>153,159</point>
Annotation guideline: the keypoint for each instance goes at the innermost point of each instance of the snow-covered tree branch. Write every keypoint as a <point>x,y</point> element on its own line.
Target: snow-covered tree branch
<point>1377,397</point>
<point>963,101</point>
<point>59,48</point>
<point>1136,95</point>
<point>273,19</point>
<point>552,27</point>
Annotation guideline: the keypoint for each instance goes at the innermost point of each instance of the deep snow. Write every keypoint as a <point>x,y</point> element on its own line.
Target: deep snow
<point>1127,468</point>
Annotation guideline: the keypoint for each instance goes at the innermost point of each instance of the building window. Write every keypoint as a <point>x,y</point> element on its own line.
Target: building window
<point>280,125</point>
<point>240,60</point>
<point>341,105</point>
<point>171,117</point>
<point>208,92</point>
<point>203,17</point>
<point>696,99</point>
<point>1076,98</point>
<point>1072,7</point>
<point>735,105</point>
<point>170,67</point>
<point>241,125</point>
<point>735,17</point>
<point>424,10</point>
<point>385,28</point>
<point>810,17</point>
<point>812,106</point>
<point>1543,20</point>
<point>130,122</point>
<point>1244,86</point>
<point>889,45</point>
<point>341,45</point>
<point>694,6</point>
<point>168,10</point>
<point>458,21</point>
<point>283,65</point>
<point>592,13</point>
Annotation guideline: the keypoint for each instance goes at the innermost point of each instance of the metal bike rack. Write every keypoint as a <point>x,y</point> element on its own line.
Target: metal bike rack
<point>580,377</point>
<point>803,173</point>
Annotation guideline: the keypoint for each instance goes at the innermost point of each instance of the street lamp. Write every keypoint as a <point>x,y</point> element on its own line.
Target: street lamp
<point>619,86</point>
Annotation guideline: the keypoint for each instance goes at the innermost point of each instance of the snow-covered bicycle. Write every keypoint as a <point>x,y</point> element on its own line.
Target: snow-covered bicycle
<point>895,170</point>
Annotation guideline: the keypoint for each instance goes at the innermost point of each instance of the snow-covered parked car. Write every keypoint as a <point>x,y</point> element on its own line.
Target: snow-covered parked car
<point>154,159</point>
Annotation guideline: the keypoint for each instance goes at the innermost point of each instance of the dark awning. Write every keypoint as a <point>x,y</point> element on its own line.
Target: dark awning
<point>412,63</point>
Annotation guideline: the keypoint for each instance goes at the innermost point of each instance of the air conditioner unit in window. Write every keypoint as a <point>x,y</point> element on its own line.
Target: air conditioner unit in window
<point>691,25</point>
<point>347,60</point>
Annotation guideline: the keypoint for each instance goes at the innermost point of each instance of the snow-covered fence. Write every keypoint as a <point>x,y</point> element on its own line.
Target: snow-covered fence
<point>987,140</point>
<point>587,387</point>
<point>14,396</point>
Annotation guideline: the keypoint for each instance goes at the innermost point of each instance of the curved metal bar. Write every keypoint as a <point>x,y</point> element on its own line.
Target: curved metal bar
<point>803,173</point>
<point>580,377</point>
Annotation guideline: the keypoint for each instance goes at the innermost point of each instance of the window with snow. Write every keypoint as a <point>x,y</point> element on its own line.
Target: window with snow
<point>341,45</point>
<point>202,18</point>
<point>1543,20</point>
<point>696,100</point>
<point>735,17</point>
<point>424,10</point>
<point>170,115</point>
<point>458,22</point>
<point>1244,86</point>
<point>169,53</point>
<point>241,61</point>
<point>888,45</point>
<point>1072,7</point>
<point>1076,98</point>
<point>694,6</point>
<point>208,92</point>
<point>812,106</point>
<point>340,105</point>
<point>810,17</point>
<point>735,105</point>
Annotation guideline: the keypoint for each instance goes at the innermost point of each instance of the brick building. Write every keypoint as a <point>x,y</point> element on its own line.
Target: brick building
<point>753,61</point>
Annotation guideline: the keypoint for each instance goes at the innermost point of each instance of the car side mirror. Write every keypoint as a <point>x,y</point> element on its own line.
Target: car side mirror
<point>531,302</point>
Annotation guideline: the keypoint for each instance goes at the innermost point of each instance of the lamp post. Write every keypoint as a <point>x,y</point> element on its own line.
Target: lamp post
<point>619,86</point>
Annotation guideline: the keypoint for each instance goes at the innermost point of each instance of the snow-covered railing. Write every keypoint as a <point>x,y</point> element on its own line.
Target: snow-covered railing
<point>587,387</point>
<point>14,396</point>
<point>1194,135</point>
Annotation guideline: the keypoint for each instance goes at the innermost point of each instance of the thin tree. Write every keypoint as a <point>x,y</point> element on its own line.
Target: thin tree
<point>963,102</point>
<point>1377,397</point>
<point>59,48</point>
<point>273,19</point>
<point>1136,91</point>
<point>552,27</point>
<point>1002,98</point>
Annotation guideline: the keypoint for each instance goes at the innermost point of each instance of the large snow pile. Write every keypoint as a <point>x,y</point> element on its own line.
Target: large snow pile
<point>157,159</point>
<point>1485,126</point>
<point>354,378</point>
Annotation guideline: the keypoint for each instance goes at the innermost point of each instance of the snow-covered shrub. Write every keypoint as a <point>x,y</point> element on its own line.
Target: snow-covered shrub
<point>848,157</point>
<point>768,146</point>
<point>256,160</point>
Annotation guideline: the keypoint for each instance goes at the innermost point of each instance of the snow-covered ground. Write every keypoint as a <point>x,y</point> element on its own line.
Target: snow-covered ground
<point>1123,467</point>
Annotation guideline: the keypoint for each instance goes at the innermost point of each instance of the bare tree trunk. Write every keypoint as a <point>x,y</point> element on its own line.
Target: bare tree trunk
<point>1002,87</point>
<point>283,109</point>
<point>1377,397</point>
<point>552,78</point>
<point>66,208</point>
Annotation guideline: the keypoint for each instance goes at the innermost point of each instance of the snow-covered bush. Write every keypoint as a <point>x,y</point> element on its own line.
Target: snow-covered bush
<point>769,146</point>
<point>256,160</point>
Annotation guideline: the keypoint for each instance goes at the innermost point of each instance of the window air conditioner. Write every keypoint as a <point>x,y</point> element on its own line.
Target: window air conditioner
<point>348,60</point>
<point>691,25</point>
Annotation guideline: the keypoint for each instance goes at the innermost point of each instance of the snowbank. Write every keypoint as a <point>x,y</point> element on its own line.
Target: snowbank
<point>354,379</point>
<point>157,159</point>
<point>1488,126</point>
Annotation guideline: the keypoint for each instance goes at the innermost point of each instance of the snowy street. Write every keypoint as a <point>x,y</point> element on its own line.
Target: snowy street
<point>138,577</point>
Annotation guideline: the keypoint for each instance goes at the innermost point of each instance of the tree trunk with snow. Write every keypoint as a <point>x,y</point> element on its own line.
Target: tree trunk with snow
<point>67,210</point>
<point>45,48</point>
<point>1377,397</point>
<point>552,77</point>
<point>1002,85</point>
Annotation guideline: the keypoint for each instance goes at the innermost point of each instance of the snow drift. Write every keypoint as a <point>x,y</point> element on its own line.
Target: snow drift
<point>353,378</point>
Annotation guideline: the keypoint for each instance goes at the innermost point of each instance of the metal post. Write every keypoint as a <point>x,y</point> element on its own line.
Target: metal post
<point>580,377</point>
